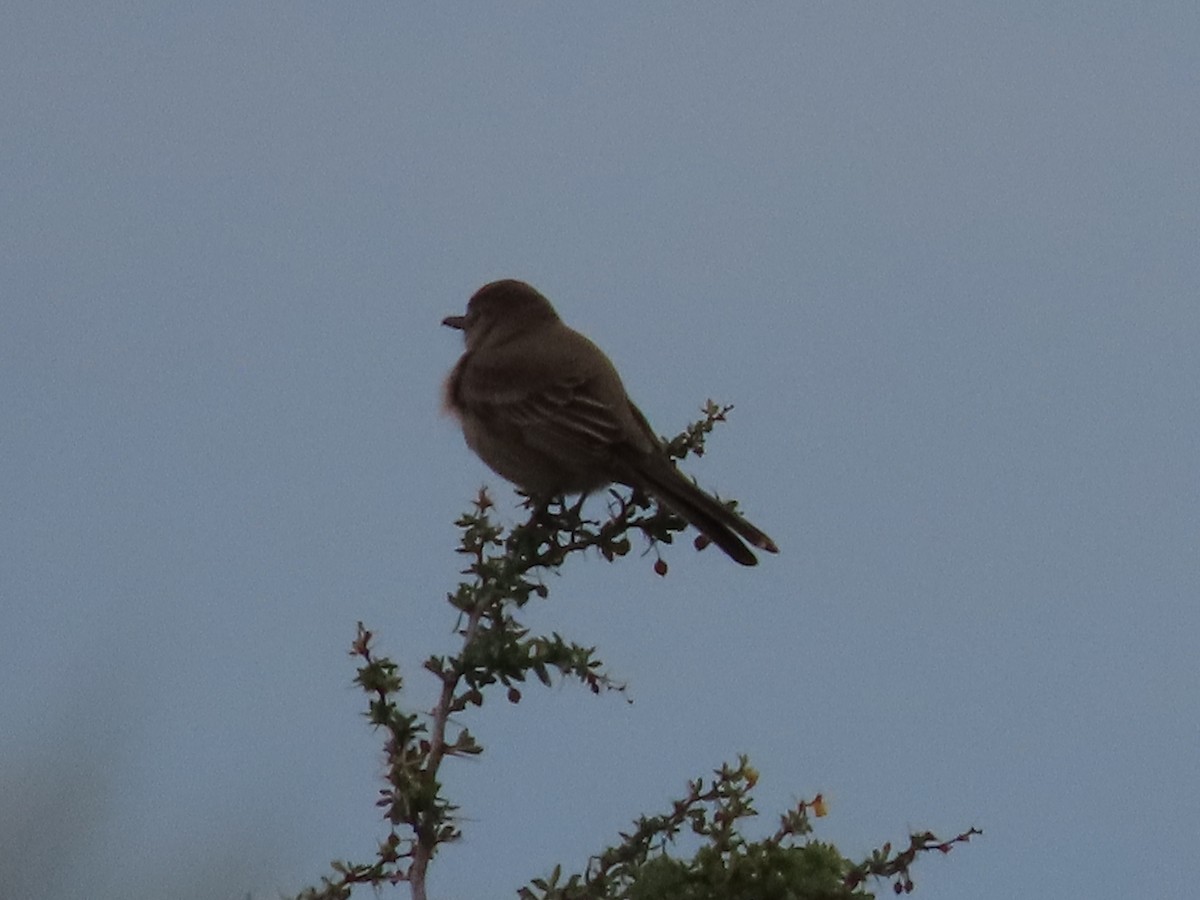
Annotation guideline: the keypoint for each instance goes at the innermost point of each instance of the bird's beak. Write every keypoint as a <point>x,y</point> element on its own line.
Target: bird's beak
<point>459,322</point>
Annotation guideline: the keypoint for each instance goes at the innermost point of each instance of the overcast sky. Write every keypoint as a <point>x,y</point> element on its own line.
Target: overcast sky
<point>944,259</point>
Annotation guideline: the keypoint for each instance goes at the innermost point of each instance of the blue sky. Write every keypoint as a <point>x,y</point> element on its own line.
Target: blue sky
<point>943,259</point>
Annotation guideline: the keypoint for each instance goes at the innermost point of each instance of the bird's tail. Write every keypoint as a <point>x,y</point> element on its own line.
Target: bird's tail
<point>717,522</point>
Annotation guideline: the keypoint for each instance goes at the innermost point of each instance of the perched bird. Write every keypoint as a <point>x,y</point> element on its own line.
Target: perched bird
<point>545,408</point>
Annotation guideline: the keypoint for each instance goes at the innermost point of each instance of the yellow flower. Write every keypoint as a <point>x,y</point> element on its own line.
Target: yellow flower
<point>818,806</point>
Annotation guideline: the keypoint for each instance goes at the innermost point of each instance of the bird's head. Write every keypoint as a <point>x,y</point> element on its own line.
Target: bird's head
<point>501,310</point>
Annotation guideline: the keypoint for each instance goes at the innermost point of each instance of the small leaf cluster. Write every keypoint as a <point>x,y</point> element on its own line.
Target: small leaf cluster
<point>884,863</point>
<point>691,439</point>
<point>726,866</point>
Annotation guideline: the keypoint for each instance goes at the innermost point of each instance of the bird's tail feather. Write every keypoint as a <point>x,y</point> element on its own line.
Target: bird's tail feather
<point>717,522</point>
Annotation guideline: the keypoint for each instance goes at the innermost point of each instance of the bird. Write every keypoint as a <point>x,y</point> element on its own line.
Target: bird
<point>545,409</point>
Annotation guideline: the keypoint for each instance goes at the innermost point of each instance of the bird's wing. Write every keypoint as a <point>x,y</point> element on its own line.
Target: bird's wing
<point>570,411</point>
<point>563,398</point>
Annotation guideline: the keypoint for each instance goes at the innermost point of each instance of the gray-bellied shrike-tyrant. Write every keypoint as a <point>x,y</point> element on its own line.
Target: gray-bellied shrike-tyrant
<point>545,408</point>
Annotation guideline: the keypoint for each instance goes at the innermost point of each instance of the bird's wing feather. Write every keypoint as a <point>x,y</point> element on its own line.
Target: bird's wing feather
<point>586,410</point>
<point>571,412</point>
